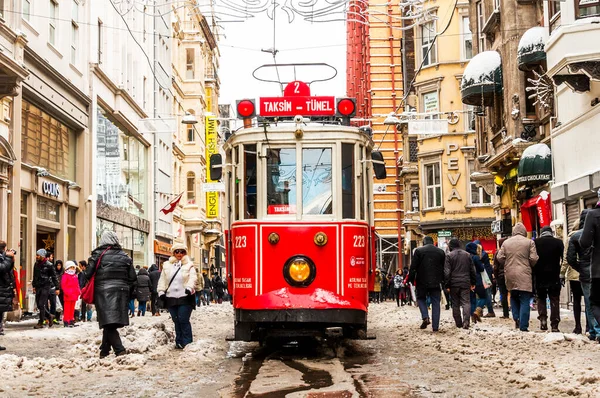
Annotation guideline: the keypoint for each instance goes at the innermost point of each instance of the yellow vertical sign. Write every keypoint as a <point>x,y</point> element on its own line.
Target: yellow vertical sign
<point>209,99</point>
<point>212,198</point>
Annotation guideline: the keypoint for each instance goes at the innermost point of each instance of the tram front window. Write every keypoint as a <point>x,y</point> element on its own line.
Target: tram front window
<point>316,181</point>
<point>281,181</point>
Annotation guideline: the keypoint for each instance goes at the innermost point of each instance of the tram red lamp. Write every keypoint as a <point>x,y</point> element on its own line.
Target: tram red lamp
<point>346,107</point>
<point>299,271</point>
<point>246,109</point>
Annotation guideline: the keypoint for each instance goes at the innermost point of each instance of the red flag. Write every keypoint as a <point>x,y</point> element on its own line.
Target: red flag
<point>170,207</point>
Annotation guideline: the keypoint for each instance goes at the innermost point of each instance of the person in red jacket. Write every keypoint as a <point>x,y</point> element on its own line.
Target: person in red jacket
<point>71,291</point>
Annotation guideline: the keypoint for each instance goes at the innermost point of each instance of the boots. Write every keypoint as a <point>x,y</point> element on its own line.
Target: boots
<point>478,314</point>
<point>543,324</point>
<point>425,323</point>
<point>490,315</point>
<point>39,325</point>
<point>51,321</point>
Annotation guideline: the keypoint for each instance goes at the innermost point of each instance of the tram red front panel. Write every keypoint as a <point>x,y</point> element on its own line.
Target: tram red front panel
<point>355,262</point>
<point>244,261</point>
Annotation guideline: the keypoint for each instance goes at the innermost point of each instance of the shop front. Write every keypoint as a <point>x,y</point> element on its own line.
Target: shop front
<point>466,231</point>
<point>162,252</point>
<point>122,187</point>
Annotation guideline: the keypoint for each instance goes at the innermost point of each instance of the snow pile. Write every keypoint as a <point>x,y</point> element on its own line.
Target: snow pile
<point>202,350</point>
<point>538,150</point>
<point>532,41</point>
<point>146,337</point>
<point>326,297</point>
<point>481,69</point>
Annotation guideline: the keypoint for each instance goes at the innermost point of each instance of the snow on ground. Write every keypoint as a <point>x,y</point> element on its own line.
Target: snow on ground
<point>491,359</point>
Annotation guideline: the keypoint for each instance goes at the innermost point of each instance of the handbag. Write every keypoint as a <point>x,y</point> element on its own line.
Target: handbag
<point>87,293</point>
<point>161,302</point>
<point>486,279</point>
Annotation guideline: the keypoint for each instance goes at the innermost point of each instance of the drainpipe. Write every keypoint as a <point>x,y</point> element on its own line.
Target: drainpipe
<point>396,149</point>
<point>155,113</point>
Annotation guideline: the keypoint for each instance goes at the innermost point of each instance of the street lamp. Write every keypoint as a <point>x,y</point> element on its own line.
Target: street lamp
<point>189,118</point>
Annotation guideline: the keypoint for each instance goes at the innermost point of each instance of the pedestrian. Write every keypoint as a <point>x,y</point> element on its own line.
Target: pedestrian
<point>377,287</point>
<point>176,287</point>
<point>143,290</point>
<point>199,287</point>
<point>207,289</point>
<point>154,275</point>
<point>44,279</point>
<point>384,287</point>
<point>82,282</point>
<point>114,284</point>
<point>54,308</point>
<point>460,278</point>
<point>427,273</point>
<point>7,284</point>
<point>485,259</point>
<point>547,277</point>
<point>581,259</point>
<point>219,287</point>
<point>590,238</point>
<point>398,283</point>
<point>569,272</point>
<point>519,256</point>
<point>70,291</point>
<point>501,282</point>
<point>479,295</point>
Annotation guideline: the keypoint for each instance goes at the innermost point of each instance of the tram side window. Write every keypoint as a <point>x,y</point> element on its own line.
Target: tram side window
<point>347,180</point>
<point>236,183</point>
<point>316,181</point>
<point>361,192</point>
<point>281,181</point>
<point>250,181</point>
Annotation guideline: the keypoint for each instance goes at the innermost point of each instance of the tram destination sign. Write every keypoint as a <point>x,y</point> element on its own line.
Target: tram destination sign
<point>297,105</point>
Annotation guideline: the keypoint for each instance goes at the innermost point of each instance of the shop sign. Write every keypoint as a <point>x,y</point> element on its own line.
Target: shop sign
<point>444,234</point>
<point>212,198</point>
<point>50,188</point>
<point>162,248</point>
<point>453,174</point>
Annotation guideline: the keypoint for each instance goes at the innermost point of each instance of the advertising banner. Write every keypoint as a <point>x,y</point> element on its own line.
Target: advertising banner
<point>212,198</point>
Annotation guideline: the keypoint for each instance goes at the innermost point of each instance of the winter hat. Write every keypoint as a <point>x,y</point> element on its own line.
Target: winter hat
<point>42,252</point>
<point>178,246</point>
<point>70,264</point>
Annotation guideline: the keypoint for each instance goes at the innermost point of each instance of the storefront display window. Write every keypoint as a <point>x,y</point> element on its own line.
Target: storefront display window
<point>132,241</point>
<point>47,143</point>
<point>121,179</point>
<point>48,210</point>
<point>71,232</point>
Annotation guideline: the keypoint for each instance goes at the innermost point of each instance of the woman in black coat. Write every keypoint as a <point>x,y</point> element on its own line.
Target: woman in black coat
<point>113,286</point>
<point>144,288</point>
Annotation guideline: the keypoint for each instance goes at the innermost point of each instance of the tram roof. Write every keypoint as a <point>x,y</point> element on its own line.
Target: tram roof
<point>311,132</point>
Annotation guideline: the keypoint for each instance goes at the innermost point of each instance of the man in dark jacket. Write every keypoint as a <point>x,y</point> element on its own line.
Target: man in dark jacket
<point>207,289</point>
<point>501,282</point>
<point>154,277</point>
<point>580,260</point>
<point>427,269</point>
<point>547,277</point>
<point>479,295</point>
<point>459,274</point>
<point>7,283</point>
<point>44,278</point>
<point>590,238</point>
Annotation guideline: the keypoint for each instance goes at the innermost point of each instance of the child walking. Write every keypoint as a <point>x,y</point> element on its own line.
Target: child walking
<point>71,291</point>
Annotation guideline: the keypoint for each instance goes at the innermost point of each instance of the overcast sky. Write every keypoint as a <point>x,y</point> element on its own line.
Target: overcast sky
<point>297,42</point>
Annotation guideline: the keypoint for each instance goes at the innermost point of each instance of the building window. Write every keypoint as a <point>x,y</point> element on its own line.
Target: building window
<point>74,33</point>
<point>2,8</point>
<point>52,22</point>
<point>191,136</point>
<point>413,149</point>
<point>428,56</point>
<point>414,195</point>
<point>480,25</point>
<point>554,14</point>
<point>467,42</point>
<point>48,209</point>
<point>431,104</point>
<point>469,118</point>
<point>27,10</point>
<point>478,194</point>
<point>587,8</point>
<point>190,63</point>
<point>47,143</point>
<point>72,231</point>
<point>496,5</point>
<point>191,188</point>
<point>23,232</point>
<point>433,185</point>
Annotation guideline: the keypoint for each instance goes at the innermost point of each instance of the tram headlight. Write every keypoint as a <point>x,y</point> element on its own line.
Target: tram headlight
<point>299,271</point>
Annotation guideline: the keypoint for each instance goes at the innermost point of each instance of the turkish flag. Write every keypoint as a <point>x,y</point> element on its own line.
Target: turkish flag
<point>170,207</point>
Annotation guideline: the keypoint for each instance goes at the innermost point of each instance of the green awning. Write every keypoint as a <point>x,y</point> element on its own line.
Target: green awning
<point>535,165</point>
<point>532,48</point>
<point>482,79</point>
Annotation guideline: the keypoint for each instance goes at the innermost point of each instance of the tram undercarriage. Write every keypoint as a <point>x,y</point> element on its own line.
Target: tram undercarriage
<point>259,325</point>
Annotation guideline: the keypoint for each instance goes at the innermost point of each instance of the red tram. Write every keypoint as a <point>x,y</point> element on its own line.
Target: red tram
<point>300,239</point>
